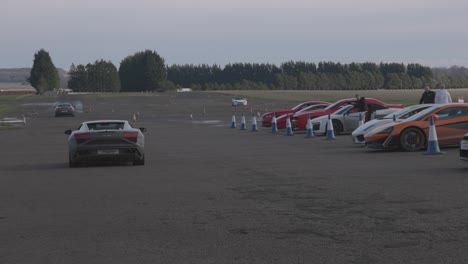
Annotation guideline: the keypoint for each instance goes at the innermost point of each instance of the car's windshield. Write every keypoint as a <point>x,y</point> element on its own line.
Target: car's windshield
<point>335,104</point>
<point>310,107</point>
<point>105,126</point>
<point>299,106</point>
<point>423,113</point>
<point>343,110</point>
<point>407,112</point>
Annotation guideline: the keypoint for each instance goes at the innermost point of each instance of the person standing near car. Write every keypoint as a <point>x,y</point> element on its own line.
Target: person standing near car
<point>442,96</point>
<point>361,105</point>
<point>428,96</point>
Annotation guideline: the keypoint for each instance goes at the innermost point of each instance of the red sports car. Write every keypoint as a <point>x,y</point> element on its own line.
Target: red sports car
<point>268,117</point>
<point>299,120</point>
<point>281,120</point>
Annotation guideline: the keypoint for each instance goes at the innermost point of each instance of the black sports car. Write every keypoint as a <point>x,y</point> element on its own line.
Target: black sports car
<point>64,109</point>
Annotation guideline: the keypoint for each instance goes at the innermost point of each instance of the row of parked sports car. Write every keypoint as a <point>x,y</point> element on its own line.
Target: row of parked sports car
<point>390,126</point>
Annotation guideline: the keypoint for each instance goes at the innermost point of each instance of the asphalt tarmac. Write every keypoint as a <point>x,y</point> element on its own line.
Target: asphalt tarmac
<point>214,194</point>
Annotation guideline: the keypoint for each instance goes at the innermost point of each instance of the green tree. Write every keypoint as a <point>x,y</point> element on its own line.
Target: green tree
<point>78,78</point>
<point>143,71</point>
<point>393,81</point>
<point>419,71</point>
<point>102,76</point>
<point>44,76</point>
<point>285,82</point>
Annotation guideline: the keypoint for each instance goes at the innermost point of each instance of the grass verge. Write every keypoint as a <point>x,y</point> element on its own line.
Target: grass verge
<point>405,97</point>
<point>4,109</point>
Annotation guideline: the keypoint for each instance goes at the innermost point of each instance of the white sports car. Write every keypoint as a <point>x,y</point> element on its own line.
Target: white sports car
<point>239,101</point>
<point>358,134</point>
<point>464,148</point>
<point>344,120</point>
<point>106,140</point>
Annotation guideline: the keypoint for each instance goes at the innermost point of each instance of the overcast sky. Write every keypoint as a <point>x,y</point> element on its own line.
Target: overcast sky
<point>430,32</point>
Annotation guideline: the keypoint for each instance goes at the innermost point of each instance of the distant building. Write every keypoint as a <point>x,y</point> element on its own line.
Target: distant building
<point>16,89</point>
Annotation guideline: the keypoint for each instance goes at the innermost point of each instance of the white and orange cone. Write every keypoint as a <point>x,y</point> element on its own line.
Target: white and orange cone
<point>254,122</point>
<point>432,144</point>
<point>274,126</point>
<point>330,132</point>
<point>233,121</point>
<point>309,128</point>
<point>289,131</point>
<point>361,122</point>
<point>243,123</point>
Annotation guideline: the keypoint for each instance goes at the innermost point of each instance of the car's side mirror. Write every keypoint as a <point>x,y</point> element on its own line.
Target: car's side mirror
<point>68,131</point>
<point>142,129</point>
<point>435,117</point>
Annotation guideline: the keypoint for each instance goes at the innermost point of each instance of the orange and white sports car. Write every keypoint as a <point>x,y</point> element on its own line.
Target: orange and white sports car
<point>412,134</point>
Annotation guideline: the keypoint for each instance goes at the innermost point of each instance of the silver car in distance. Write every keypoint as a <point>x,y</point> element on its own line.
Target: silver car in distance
<point>106,140</point>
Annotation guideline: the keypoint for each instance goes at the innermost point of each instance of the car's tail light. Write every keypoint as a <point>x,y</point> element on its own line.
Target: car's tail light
<point>80,138</point>
<point>132,136</point>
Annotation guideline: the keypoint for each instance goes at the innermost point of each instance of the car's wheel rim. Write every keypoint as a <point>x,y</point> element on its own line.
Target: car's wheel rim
<point>337,127</point>
<point>412,140</point>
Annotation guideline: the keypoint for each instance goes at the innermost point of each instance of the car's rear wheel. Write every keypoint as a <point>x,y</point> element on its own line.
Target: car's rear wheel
<point>337,126</point>
<point>412,139</point>
<point>139,162</point>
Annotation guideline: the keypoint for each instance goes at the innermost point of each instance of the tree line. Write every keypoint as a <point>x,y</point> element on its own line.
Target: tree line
<point>146,71</point>
<point>302,76</point>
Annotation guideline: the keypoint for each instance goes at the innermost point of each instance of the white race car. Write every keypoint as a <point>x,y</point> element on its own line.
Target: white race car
<point>345,120</point>
<point>358,134</point>
<point>239,101</point>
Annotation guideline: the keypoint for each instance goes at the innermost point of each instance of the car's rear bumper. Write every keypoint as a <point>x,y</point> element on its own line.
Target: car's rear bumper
<point>117,153</point>
<point>64,113</point>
